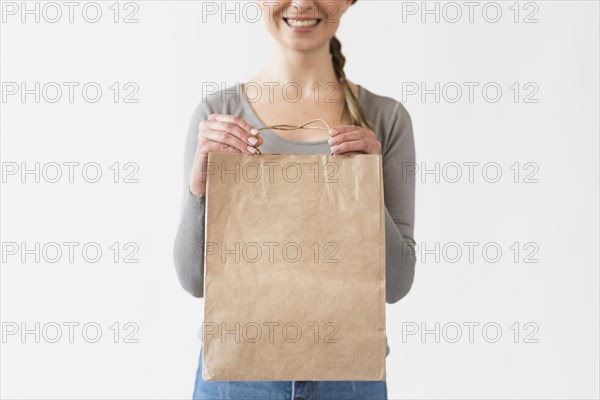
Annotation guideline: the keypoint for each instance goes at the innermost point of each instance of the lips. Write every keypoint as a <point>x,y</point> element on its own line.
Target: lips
<point>302,22</point>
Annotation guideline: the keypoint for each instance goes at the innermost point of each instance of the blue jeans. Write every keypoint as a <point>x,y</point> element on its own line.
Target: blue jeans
<point>286,390</point>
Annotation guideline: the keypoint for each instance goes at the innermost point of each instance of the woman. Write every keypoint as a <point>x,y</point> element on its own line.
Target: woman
<point>306,54</point>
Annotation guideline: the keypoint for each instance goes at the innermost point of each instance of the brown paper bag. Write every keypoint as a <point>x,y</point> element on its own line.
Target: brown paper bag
<point>294,280</point>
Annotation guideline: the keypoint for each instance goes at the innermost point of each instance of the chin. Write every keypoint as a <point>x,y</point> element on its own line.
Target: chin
<point>303,45</point>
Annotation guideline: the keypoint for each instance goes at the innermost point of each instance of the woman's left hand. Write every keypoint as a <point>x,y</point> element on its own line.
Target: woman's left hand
<point>351,139</point>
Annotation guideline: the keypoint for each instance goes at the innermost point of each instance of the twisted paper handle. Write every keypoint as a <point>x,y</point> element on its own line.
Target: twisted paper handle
<point>285,127</point>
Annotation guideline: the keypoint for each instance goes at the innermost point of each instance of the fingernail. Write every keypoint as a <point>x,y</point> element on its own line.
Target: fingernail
<point>335,148</point>
<point>333,132</point>
<point>252,140</point>
<point>332,141</point>
<point>251,149</point>
<point>254,131</point>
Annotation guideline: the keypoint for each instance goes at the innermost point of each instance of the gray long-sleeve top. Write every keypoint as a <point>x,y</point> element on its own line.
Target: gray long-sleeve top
<point>393,127</point>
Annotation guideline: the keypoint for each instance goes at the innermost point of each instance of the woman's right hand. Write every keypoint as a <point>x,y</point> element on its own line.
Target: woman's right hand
<point>220,133</point>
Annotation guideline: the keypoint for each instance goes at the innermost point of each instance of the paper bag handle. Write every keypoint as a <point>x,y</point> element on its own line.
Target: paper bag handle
<point>285,127</point>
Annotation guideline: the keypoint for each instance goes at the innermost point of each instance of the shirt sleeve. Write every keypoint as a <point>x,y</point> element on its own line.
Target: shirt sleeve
<point>399,195</point>
<point>189,240</point>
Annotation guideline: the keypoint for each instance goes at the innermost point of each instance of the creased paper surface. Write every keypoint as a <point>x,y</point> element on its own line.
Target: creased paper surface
<point>294,268</point>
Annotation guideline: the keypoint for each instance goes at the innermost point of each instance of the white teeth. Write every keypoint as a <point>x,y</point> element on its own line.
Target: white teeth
<point>297,23</point>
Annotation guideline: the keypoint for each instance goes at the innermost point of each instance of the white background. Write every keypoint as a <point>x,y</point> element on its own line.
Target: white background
<point>169,54</point>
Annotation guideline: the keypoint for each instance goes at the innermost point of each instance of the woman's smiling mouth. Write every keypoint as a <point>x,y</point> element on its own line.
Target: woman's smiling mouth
<point>302,23</point>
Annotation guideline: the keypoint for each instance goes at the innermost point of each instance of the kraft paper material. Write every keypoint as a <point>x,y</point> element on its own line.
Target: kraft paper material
<point>294,273</point>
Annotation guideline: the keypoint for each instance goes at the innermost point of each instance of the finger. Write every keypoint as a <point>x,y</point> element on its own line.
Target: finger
<point>235,120</point>
<point>229,133</point>
<point>361,146</point>
<point>343,129</point>
<point>230,140</point>
<point>348,137</point>
<point>220,147</point>
<point>208,146</point>
<point>245,132</point>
